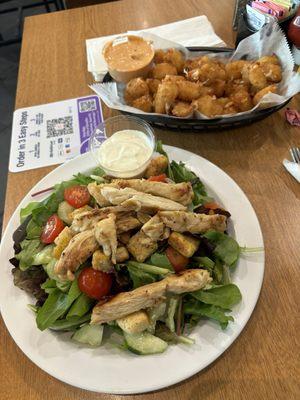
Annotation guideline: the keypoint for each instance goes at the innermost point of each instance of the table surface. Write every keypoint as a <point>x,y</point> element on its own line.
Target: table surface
<point>263,362</point>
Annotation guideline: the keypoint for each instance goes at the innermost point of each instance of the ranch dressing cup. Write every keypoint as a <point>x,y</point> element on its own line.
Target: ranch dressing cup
<point>123,146</point>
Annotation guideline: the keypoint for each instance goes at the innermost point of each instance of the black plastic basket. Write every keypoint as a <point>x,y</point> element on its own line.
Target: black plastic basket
<point>193,124</point>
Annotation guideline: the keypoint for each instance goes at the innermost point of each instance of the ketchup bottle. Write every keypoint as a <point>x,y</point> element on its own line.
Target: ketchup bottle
<point>293,34</point>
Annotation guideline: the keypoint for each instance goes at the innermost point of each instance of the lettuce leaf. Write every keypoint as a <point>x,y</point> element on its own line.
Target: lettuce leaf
<point>30,281</point>
<point>28,210</point>
<point>41,211</point>
<point>30,248</point>
<point>226,248</point>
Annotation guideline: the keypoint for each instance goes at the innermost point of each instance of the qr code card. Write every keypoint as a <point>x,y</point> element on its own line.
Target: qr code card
<point>53,133</point>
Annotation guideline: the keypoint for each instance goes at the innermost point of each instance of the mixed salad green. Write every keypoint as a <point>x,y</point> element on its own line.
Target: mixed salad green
<point>64,306</point>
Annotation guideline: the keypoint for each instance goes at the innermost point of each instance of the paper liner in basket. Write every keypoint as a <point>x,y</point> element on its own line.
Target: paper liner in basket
<point>269,40</point>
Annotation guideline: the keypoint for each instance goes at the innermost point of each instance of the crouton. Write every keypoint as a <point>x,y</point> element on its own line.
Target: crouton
<point>124,237</point>
<point>136,322</point>
<point>101,262</point>
<point>122,254</point>
<point>141,246</point>
<point>184,244</point>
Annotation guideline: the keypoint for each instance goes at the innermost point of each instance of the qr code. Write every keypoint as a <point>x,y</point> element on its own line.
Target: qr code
<point>60,126</point>
<point>87,105</point>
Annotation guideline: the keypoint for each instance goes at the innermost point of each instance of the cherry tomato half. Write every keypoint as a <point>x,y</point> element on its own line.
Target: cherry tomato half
<point>158,178</point>
<point>52,229</point>
<point>212,205</point>
<point>94,284</point>
<point>178,261</point>
<point>77,196</point>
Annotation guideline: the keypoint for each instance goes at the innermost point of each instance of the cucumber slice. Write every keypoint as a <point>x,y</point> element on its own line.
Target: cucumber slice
<point>64,211</point>
<point>144,343</point>
<point>89,334</point>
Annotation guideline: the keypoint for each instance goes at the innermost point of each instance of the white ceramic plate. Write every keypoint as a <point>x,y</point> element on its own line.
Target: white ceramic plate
<point>108,369</point>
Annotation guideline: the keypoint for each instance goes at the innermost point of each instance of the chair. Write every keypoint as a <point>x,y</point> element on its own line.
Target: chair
<point>18,8</point>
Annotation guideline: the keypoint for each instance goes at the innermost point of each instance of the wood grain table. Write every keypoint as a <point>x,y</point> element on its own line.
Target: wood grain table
<point>263,363</point>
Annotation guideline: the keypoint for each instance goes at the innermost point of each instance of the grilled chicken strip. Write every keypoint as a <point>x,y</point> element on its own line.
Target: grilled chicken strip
<point>132,199</point>
<point>147,296</point>
<point>95,191</point>
<point>88,219</point>
<point>106,235</point>
<point>126,222</point>
<point>79,249</point>
<point>180,192</point>
<point>155,229</point>
<point>181,221</point>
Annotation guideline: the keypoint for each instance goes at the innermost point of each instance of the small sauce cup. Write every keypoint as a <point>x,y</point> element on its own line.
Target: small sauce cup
<point>128,57</point>
<point>123,146</point>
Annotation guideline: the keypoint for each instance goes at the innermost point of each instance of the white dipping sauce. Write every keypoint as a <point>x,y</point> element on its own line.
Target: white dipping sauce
<point>125,151</point>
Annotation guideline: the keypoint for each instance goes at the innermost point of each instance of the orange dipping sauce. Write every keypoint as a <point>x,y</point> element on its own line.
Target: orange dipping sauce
<point>128,57</point>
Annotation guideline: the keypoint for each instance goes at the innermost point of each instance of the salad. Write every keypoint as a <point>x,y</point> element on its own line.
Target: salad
<point>145,259</point>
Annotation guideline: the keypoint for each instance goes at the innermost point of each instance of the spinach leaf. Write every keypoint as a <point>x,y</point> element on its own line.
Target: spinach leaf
<point>49,285</point>
<point>159,148</point>
<point>56,305</point>
<point>200,195</point>
<point>206,262</point>
<point>226,248</point>
<point>142,274</point>
<point>80,307</point>
<point>69,325</point>
<point>74,291</point>
<point>218,272</point>
<point>140,277</point>
<point>98,171</point>
<point>224,296</point>
<point>161,260</point>
<point>164,333</point>
<point>182,174</point>
<point>64,286</point>
<point>197,308</point>
<point>151,269</point>
<point>29,250</point>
